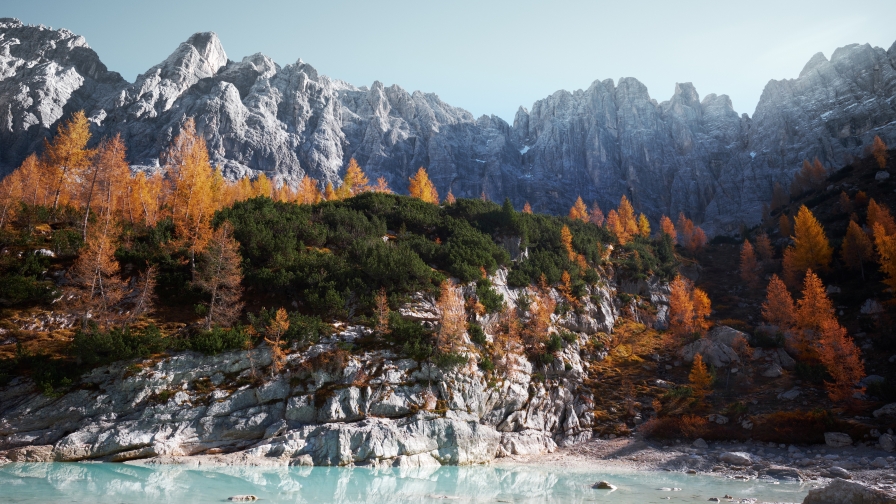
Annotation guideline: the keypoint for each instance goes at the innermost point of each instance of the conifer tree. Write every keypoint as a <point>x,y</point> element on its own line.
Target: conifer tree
<point>145,198</point>
<point>886,251</point>
<point>811,249</point>
<point>778,309</point>
<point>450,199</point>
<point>856,249</point>
<point>452,319</point>
<point>219,275</point>
<point>700,379</point>
<point>880,214</point>
<point>565,288</point>
<point>685,229</point>
<point>273,332</point>
<point>383,187</point>
<point>108,173</point>
<point>308,192</point>
<point>330,194</point>
<point>841,358</point>
<point>566,241</point>
<point>67,156</point>
<point>764,248</point>
<point>784,226</point>
<point>627,218</point>
<point>381,311</point>
<point>879,151</point>
<point>702,310</point>
<point>262,186</point>
<point>698,240</point>
<point>845,203</point>
<point>191,201</point>
<point>579,211</point>
<point>355,181</point>
<point>422,188</point>
<point>527,208</point>
<point>681,308</point>
<point>12,192</point>
<point>616,227</point>
<point>669,229</point>
<point>812,310</point>
<point>535,333</point>
<point>749,266</point>
<point>95,285</point>
<point>596,216</point>
<point>643,226</point>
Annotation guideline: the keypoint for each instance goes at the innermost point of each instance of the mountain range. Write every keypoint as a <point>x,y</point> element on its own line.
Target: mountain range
<point>685,154</point>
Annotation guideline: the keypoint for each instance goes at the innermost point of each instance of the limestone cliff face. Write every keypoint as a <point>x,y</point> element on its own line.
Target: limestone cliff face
<point>686,154</point>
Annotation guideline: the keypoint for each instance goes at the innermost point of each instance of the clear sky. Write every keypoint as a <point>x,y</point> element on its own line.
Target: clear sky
<point>490,57</point>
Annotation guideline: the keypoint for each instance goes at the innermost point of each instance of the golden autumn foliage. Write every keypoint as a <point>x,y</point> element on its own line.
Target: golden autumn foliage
<point>219,276</point>
<point>382,186</point>
<point>810,176</point>
<point>95,284</point>
<point>308,192</point>
<point>67,156</point>
<point>628,224</point>
<point>841,358</point>
<point>535,333</point>
<point>778,309</point>
<point>813,309</point>
<point>886,251</point>
<point>689,309</point>
<point>507,346</point>
<point>691,237</point>
<point>355,181</point>
<point>668,229</point>
<point>381,310</point>
<point>450,200</point>
<point>596,216</point>
<point>811,249</point>
<point>699,377</point>
<point>879,151</point>
<point>275,330</point>
<point>764,248</point>
<point>452,319</point>
<point>105,180</point>
<point>857,248</point>
<point>579,211</point>
<point>785,227</point>
<point>698,241</point>
<point>566,241</point>
<point>527,208</point>
<point>190,201</point>
<point>422,188</point>
<point>749,266</point>
<point>643,226</point>
<point>845,203</point>
<point>330,193</point>
<point>880,214</point>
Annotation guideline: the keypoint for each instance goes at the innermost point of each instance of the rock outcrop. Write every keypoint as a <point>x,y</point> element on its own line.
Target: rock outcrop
<point>377,409</point>
<point>685,154</point>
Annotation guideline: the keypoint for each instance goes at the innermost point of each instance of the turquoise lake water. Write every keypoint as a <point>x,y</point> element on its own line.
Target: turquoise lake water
<point>102,483</point>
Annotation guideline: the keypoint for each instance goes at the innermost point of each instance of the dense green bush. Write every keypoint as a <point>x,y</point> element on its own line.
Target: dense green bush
<point>411,339</point>
<point>488,296</point>
<point>94,347</point>
<point>217,340</point>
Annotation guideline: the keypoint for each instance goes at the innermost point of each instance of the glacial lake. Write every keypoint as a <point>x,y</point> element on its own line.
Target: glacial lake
<point>102,483</point>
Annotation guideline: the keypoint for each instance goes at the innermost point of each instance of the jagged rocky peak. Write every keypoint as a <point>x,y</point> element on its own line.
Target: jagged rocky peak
<point>682,155</point>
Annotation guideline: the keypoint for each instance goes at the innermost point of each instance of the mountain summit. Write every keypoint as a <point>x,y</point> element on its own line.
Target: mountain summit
<point>682,155</point>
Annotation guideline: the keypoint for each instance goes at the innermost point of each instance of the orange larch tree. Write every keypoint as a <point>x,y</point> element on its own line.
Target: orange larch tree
<point>778,309</point>
<point>579,211</point>
<point>566,241</point>
<point>273,333</point>
<point>596,216</point>
<point>421,187</point>
<point>67,156</point>
<point>886,251</point>
<point>616,227</point>
<point>811,249</point>
<point>643,226</point>
<point>842,359</point>
<point>681,308</point>
<point>355,181</point>
<point>880,214</point>
<point>879,151</point>
<point>812,310</point>
<point>845,203</point>
<point>109,173</point>
<point>330,194</point>
<point>668,229</point>
<point>219,275</point>
<point>856,249</point>
<point>382,186</point>
<point>452,320</point>
<point>262,186</point>
<point>685,229</point>
<point>698,241</point>
<point>308,192</point>
<point>627,218</point>
<point>190,200</point>
<point>527,208</point>
<point>700,379</point>
<point>749,266</point>
<point>764,248</point>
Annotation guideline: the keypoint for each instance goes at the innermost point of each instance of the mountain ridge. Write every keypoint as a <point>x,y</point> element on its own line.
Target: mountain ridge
<point>684,154</point>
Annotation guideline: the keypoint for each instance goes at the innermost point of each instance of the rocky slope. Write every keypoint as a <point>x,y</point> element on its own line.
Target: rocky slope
<point>684,154</point>
<point>331,405</point>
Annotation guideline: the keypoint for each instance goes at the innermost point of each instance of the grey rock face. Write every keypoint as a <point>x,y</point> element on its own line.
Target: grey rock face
<point>684,154</point>
<point>848,492</point>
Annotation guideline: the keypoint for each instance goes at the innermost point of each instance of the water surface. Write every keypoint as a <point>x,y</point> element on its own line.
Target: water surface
<point>106,483</point>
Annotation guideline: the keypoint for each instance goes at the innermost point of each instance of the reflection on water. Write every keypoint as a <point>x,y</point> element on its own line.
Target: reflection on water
<point>118,483</point>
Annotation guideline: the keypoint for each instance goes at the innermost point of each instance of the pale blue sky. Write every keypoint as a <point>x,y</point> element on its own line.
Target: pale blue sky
<point>490,57</point>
